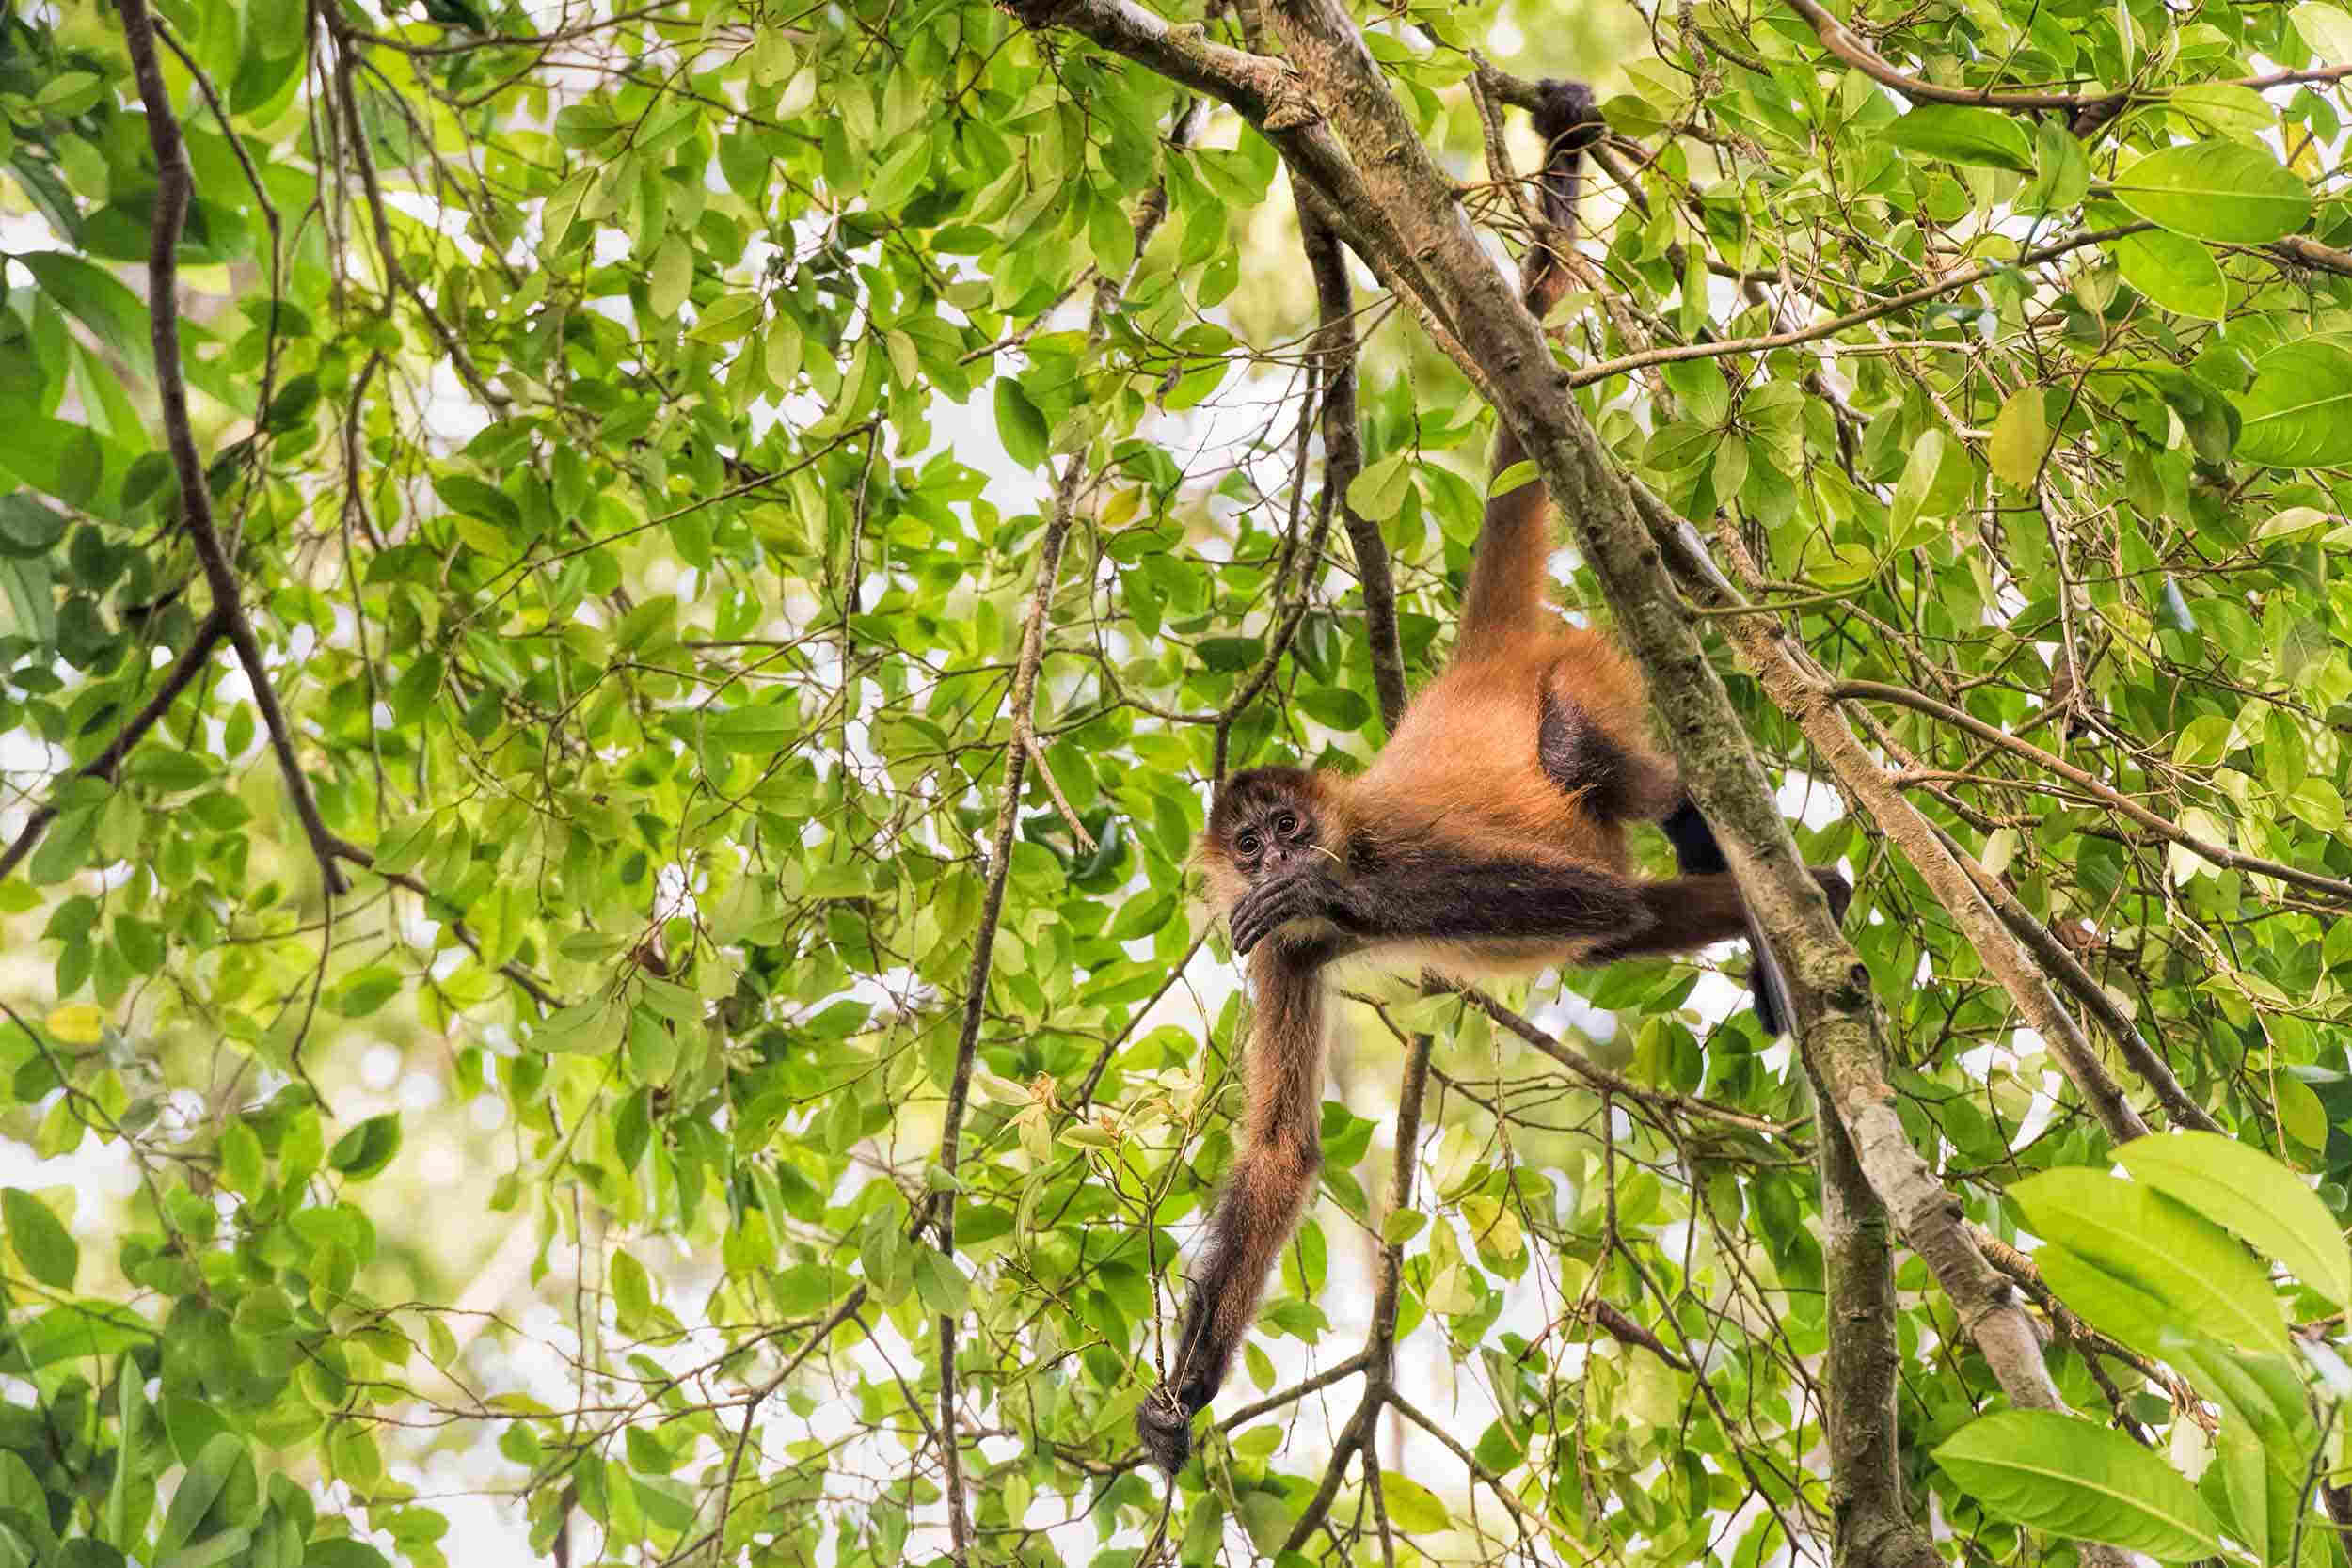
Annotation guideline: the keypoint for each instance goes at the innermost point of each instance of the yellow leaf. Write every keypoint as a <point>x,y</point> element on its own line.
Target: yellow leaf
<point>79,1023</point>
<point>2020,436</point>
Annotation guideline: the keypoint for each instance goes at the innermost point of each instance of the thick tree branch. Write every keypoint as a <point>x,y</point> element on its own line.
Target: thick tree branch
<point>175,182</point>
<point>1869,1526</point>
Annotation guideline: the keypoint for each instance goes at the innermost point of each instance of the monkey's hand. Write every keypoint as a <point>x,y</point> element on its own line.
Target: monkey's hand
<point>1835,887</point>
<point>1765,981</point>
<point>1166,1427</point>
<point>1566,110</point>
<point>1270,905</point>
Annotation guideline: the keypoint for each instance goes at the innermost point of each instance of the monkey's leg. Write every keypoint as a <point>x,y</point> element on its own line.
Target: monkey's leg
<point>1578,751</point>
<point>1695,850</point>
<point>1697,853</point>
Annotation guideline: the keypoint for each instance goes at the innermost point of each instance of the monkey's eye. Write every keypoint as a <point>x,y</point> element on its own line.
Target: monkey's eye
<point>1286,824</point>
<point>1246,843</point>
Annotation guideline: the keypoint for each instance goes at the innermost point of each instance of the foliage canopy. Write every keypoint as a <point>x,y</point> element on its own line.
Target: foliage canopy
<point>732,541</point>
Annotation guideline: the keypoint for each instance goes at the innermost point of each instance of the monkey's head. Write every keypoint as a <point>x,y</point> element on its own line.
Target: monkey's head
<point>1264,821</point>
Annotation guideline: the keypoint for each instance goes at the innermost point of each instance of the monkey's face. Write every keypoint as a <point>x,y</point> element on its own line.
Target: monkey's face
<point>1264,821</point>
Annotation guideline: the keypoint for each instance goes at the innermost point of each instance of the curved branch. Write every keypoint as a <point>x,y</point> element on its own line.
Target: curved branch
<point>182,673</point>
<point>175,185</point>
<point>1343,445</point>
<point>2163,828</point>
<point>1671,352</point>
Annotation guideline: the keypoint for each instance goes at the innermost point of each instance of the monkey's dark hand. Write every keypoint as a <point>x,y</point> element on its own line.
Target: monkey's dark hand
<point>1166,1427</point>
<point>1564,107</point>
<point>1764,978</point>
<point>1835,887</point>
<point>1274,903</point>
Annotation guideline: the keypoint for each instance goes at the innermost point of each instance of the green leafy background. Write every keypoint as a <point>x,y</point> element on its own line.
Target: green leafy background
<point>638,432</point>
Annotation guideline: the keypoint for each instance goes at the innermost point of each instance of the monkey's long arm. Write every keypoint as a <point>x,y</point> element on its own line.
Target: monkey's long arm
<point>1438,896</point>
<point>1264,1194</point>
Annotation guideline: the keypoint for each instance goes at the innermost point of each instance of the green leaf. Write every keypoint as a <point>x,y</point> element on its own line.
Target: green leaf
<point>2175,271</point>
<point>669,277</point>
<point>2146,1242</point>
<point>2326,28</point>
<point>2245,1189</point>
<point>97,299</point>
<point>210,1489</point>
<point>939,1284</point>
<point>1412,1507</point>
<point>2299,412</point>
<point>43,1244</point>
<point>758,725</point>
<point>78,1330</point>
<point>1521,472</point>
<point>2079,1479</point>
<point>1918,480</point>
<point>368,1148</point>
<point>2216,190</point>
<point>1019,424</point>
<point>1965,135</point>
<point>1378,493</point>
<point>29,528</point>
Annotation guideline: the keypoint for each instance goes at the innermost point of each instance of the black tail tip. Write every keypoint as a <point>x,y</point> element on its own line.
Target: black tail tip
<point>1566,109</point>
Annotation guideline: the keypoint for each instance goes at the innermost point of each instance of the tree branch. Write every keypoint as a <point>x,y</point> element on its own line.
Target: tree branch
<point>175,182</point>
<point>1868,1522</point>
<point>2144,1058</point>
<point>1878,691</point>
<point>1797,693</point>
<point>1952,283</point>
<point>1022,701</point>
<point>1343,444</point>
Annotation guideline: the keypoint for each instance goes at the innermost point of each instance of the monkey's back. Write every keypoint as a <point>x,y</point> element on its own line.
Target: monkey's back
<point>1466,766</point>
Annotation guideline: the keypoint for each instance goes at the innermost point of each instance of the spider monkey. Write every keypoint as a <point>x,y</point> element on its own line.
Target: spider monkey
<point>1489,836</point>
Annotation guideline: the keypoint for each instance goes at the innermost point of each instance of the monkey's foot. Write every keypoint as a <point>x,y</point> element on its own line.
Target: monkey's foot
<point>1166,1427</point>
<point>1568,107</point>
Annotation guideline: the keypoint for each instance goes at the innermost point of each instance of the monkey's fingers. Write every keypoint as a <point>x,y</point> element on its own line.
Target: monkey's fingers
<point>1765,980</point>
<point>1166,1427</point>
<point>1261,911</point>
